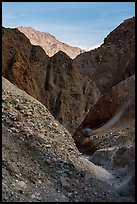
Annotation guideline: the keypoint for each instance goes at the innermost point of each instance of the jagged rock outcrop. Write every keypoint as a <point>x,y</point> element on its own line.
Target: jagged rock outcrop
<point>113,61</point>
<point>113,109</point>
<point>49,43</point>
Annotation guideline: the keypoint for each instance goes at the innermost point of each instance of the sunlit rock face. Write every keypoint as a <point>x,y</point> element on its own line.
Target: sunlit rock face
<point>49,43</point>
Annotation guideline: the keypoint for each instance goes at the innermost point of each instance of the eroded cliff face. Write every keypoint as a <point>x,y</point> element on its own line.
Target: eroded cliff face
<point>66,96</point>
<point>49,43</point>
<point>53,81</point>
<point>113,61</point>
<point>69,88</point>
<point>22,62</point>
<point>112,69</point>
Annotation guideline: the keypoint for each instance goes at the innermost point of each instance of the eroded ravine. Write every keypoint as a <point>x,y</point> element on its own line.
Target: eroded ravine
<point>40,160</point>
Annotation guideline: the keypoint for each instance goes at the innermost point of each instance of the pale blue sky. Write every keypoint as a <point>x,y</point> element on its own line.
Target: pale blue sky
<point>82,24</point>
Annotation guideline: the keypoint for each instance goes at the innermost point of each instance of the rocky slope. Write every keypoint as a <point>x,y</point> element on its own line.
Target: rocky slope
<point>40,162</point>
<point>49,43</point>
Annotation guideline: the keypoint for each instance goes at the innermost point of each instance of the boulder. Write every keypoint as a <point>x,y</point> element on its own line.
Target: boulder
<point>87,132</point>
<point>123,156</point>
<point>103,156</point>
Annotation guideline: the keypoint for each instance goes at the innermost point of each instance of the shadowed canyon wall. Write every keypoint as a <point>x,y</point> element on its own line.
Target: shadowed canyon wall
<point>69,88</point>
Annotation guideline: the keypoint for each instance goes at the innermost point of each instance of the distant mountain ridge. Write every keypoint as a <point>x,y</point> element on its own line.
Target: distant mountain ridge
<point>49,43</point>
